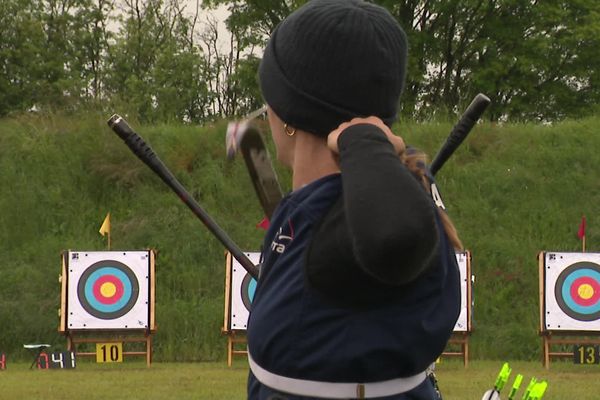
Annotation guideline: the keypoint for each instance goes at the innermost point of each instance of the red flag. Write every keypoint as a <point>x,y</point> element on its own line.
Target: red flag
<point>581,232</point>
<point>264,224</point>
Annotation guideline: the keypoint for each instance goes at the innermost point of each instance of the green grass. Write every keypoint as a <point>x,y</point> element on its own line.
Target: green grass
<point>215,381</point>
<point>130,380</point>
<point>565,380</point>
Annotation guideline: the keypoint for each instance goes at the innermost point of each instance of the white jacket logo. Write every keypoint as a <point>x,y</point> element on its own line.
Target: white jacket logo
<point>282,239</point>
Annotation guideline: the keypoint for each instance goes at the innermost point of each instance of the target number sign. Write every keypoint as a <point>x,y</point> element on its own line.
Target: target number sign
<point>108,290</point>
<point>572,291</point>
<point>109,352</point>
<point>586,354</point>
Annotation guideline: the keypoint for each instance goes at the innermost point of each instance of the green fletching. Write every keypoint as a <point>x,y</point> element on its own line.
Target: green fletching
<point>538,390</point>
<point>502,377</point>
<point>515,386</point>
<point>526,395</point>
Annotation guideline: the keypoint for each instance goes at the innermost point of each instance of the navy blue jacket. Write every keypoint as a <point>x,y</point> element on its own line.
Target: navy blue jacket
<point>358,281</point>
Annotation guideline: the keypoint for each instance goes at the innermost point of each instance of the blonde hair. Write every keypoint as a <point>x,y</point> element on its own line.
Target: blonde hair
<point>415,160</point>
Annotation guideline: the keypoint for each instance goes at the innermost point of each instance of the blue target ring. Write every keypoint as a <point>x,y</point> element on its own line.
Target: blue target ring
<point>108,289</point>
<point>577,291</point>
<point>92,297</point>
<point>248,288</point>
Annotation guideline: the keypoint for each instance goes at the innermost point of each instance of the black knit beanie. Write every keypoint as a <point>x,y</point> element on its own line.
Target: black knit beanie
<point>331,61</point>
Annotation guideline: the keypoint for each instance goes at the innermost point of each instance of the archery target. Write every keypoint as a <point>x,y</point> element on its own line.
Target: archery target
<point>463,323</point>
<point>572,291</point>
<point>243,287</point>
<point>108,290</point>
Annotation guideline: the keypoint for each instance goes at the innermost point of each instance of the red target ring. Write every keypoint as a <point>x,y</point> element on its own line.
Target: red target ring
<point>108,289</point>
<point>585,291</point>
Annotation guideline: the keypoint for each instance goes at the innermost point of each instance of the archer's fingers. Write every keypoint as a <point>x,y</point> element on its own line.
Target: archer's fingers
<point>396,141</point>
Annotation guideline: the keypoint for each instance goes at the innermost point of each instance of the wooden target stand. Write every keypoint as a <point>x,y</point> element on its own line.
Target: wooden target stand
<point>458,344</point>
<point>554,343</point>
<point>120,336</point>
<point>236,345</point>
<point>237,282</point>
<point>556,338</point>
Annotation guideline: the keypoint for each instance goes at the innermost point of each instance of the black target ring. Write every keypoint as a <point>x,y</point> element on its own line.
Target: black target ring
<point>577,291</point>
<point>247,289</point>
<point>108,289</point>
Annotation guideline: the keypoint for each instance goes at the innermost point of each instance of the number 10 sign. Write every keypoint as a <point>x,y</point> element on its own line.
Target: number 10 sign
<point>109,352</point>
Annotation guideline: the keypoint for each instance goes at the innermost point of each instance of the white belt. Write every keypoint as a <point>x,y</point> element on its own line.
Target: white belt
<point>335,390</point>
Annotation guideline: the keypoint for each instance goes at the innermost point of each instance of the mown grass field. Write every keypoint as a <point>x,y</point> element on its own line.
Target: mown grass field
<point>215,381</point>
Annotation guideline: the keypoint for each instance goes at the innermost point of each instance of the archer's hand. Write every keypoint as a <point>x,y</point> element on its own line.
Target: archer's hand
<point>396,141</point>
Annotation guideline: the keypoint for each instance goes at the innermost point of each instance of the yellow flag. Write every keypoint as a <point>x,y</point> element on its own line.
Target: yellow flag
<point>105,228</point>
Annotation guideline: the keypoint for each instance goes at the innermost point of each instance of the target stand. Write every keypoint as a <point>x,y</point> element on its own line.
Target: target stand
<point>108,297</point>
<point>569,286</point>
<point>239,293</point>
<point>458,344</point>
<point>240,288</point>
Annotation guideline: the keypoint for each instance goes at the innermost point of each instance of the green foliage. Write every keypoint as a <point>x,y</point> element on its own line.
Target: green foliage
<point>258,18</point>
<point>512,190</point>
<point>20,58</point>
<point>180,91</point>
<point>533,58</point>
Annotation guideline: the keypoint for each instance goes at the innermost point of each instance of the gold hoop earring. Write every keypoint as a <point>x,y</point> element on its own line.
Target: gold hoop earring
<point>289,131</point>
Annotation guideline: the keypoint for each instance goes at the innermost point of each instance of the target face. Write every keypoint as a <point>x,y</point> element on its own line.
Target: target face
<point>463,323</point>
<point>243,287</point>
<point>108,290</point>
<point>577,291</point>
<point>572,291</point>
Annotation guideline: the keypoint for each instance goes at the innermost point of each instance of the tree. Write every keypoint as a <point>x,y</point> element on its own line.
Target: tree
<point>533,58</point>
<point>154,64</point>
<point>231,72</point>
<point>178,86</point>
<point>44,53</point>
<point>91,46</point>
<point>234,76</point>
<point>21,54</point>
